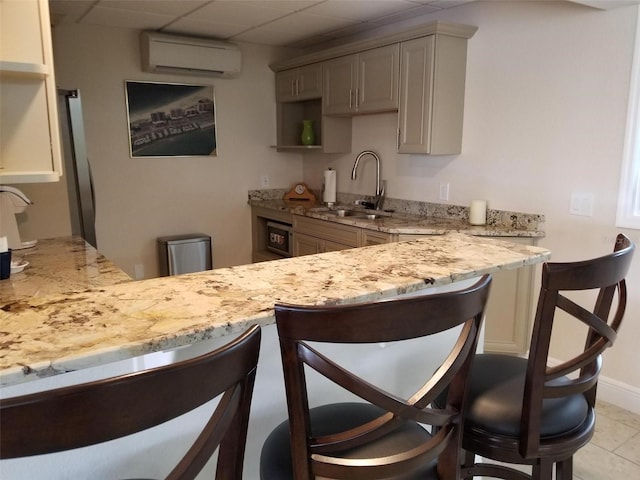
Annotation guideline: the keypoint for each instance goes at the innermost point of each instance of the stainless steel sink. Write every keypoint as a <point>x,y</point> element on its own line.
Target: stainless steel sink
<point>345,212</point>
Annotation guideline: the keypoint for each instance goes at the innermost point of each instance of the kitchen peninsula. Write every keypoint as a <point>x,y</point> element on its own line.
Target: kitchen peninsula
<point>48,335</point>
<point>94,331</point>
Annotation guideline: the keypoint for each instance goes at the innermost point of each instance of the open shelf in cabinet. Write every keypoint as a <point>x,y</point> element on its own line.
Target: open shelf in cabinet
<point>290,117</point>
<point>332,134</point>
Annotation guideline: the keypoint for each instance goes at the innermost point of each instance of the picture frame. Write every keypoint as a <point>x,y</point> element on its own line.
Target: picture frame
<point>170,119</point>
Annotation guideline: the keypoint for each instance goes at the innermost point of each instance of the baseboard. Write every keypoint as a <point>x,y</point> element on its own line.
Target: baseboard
<point>619,394</point>
<point>615,392</point>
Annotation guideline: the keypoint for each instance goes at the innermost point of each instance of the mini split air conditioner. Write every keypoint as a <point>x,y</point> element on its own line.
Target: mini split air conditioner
<point>164,53</point>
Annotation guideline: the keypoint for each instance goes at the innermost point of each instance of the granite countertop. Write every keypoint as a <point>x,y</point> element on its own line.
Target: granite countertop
<point>410,217</point>
<point>47,335</point>
<point>59,265</point>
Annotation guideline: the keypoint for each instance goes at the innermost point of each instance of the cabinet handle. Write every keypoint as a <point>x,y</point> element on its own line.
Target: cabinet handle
<point>357,98</point>
<point>297,87</point>
<point>350,99</point>
<point>293,87</point>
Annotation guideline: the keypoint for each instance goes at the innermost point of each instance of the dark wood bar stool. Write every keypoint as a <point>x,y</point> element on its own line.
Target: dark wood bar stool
<point>385,437</point>
<point>522,411</point>
<point>92,413</point>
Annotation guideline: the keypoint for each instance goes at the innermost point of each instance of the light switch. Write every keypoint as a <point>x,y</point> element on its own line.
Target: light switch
<point>444,191</point>
<point>581,204</point>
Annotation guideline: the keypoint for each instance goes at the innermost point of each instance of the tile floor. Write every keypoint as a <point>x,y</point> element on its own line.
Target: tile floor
<point>614,451</point>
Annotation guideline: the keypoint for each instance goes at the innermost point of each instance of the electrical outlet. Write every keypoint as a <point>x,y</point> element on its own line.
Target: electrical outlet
<point>264,180</point>
<point>138,271</point>
<point>444,191</point>
<point>581,204</point>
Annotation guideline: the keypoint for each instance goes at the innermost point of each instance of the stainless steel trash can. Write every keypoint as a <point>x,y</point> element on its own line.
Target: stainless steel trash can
<point>184,254</point>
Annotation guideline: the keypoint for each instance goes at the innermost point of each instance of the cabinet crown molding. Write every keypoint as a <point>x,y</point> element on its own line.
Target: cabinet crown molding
<point>437,27</point>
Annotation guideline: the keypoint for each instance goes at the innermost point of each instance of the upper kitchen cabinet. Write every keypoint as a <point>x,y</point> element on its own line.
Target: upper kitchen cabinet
<point>432,80</point>
<point>419,72</point>
<point>30,148</point>
<point>299,84</point>
<point>366,82</point>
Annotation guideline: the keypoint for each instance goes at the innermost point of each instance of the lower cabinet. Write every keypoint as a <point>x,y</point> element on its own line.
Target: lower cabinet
<point>509,312</point>
<point>311,236</point>
<point>372,237</point>
<point>308,245</point>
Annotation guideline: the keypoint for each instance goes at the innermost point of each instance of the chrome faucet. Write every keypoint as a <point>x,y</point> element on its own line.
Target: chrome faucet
<point>379,184</point>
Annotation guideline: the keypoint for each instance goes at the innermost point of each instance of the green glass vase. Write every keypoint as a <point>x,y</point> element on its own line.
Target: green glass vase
<point>308,137</point>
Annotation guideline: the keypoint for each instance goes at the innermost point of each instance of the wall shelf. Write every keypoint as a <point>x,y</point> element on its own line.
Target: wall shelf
<point>297,147</point>
<point>26,68</point>
<point>30,150</point>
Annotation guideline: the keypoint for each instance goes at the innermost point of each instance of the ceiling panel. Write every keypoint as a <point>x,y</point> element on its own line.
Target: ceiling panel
<point>291,23</point>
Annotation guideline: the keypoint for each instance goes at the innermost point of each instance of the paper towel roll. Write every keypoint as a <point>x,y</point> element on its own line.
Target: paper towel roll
<point>329,193</point>
<point>478,212</point>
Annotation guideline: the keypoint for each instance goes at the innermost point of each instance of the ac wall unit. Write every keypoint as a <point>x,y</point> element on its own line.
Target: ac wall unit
<point>165,53</point>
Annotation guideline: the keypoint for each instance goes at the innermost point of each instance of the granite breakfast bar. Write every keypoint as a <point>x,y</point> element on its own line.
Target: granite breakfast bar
<point>46,336</point>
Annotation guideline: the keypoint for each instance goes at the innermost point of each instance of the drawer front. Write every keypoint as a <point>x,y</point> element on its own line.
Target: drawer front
<point>334,232</point>
<point>372,237</point>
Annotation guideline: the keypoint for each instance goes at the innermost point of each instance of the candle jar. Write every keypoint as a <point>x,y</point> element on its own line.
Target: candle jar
<point>478,212</point>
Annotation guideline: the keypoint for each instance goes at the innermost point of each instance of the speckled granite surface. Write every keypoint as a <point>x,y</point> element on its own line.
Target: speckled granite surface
<point>47,335</point>
<point>59,265</point>
<point>411,217</point>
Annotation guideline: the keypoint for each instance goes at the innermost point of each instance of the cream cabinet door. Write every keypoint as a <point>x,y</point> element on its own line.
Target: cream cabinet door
<point>371,237</point>
<point>432,80</point>
<point>30,147</point>
<point>286,85</point>
<point>509,311</point>
<point>299,84</point>
<point>366,82</point>
<point>378,73</point>
<point>306,245</point>
<point>334,246</point>
<point>339,85</point>
<point>310,81</point>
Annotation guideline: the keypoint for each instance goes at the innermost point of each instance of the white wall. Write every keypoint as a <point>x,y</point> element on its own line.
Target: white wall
<point>545,111</point>
<point>141,199</point>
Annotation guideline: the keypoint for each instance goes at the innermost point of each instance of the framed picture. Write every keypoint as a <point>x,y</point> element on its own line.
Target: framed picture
<point>170,119</point>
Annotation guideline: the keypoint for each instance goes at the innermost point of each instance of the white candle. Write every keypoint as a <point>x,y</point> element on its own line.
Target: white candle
<point>4,245</point>
<point>478,212</point>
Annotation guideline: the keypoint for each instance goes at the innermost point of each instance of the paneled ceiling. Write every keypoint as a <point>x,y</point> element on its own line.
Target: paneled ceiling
<point>290,23</point>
